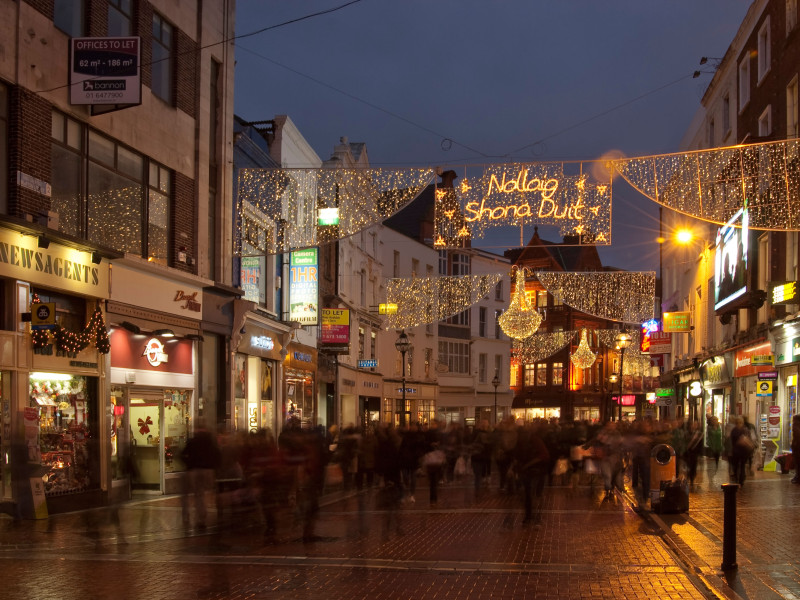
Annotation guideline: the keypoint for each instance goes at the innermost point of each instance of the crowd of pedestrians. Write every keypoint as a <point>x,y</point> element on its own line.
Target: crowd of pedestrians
<point>285,477</point>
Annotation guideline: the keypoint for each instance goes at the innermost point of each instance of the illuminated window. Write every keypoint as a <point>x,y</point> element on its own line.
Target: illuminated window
<point>529,375</point>
<point>455,355</point>
<point>541,298</point>
<point>541,374</point>
<point>513,375</point>
<point>558,373</point>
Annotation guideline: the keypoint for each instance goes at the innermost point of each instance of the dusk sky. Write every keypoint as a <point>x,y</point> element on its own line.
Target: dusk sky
<point>455,82</point>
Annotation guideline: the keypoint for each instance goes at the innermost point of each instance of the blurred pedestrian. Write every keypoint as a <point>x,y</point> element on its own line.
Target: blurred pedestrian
<point>479,453</point>
<point>796,447</point>
<point>531,464</point>
<point>201,455</point>
<point>741,448</point>
<point>714,440</point>
<point>694,445</point>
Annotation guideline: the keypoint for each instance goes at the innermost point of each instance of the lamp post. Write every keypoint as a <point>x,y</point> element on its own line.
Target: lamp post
<point>623,340</point>
<point>403,344</point>
<point>609,414</point>
<point>495,383</point>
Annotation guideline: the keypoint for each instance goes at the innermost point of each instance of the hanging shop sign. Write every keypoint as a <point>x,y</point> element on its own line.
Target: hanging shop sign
<point>764,388</point>
<point>744,365</point>
<point>251,271</point>
<point>768,375</point>
<point>660,342</point>
<point>105,70</point>
<point>627,400</point>
<point>677,322</point>
<point>664,392</point>
<point>304,287</point>
<point>56,266</point>
<point>761,360</point>
<point>714,371</point>
<point>730,260</point>
<point>335,326</point>
<point>43,315</point>
<point>783,292</point>
<point>695,389</point>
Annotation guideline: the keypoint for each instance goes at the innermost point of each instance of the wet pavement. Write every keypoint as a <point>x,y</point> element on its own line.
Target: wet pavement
<point>585,547</point>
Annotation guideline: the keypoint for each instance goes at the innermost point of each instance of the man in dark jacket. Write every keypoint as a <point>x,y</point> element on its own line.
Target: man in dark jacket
<point>202,456</point>
<point>531,458</point>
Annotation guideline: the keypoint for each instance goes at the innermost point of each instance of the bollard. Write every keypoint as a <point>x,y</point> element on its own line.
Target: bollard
<point>729,527</point>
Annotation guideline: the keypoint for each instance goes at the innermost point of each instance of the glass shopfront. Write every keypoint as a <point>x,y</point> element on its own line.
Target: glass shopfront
<point>5,434</point>
<point>61,431</point>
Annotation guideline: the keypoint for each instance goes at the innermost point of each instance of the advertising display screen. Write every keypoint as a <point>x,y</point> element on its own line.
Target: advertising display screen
<point>304,287</point>
<point>730,260</point>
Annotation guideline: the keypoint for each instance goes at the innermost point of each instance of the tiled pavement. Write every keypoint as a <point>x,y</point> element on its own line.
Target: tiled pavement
<point>585,548</point>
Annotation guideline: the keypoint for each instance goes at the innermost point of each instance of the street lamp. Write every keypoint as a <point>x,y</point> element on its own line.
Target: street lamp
<point>403,344</point>
<point>609,412</point>
<point>495,383</point>
<point>623,340</point>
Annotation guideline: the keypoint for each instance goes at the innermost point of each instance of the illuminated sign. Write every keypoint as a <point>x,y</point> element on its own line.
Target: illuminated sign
<point>251,271</point>
<point>154,352</point>
<point>367,363</point>
<point>327,216</point>
<point>387,309</point>
<point>650,397</point>
<point>784,293</point>
<point>252,416</point>
<point>769,375</point>
<point>262,341</point>
<point>730,259</point>
<point>627,400</point>
<point>695,389</point>
<point>304,287</point>
<point>762,360</point>
<point>677,322</point>
<point>663,392</point>
<point>764,388</point>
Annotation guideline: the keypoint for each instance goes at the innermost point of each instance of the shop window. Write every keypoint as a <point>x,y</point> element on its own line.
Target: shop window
<point>61,431</point>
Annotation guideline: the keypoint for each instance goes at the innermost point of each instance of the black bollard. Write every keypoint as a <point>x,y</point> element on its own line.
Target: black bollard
<point>729,527</point>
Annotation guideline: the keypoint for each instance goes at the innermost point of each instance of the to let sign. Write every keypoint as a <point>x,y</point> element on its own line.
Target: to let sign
<point>105,70</point>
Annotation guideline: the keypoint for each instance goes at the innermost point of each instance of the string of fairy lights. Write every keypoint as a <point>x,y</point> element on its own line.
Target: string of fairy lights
<point>712,185</point>
<point>286,209</point>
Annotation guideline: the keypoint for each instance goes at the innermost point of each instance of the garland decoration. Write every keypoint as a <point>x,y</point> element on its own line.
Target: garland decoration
<point>712,185</point>
<point>69,343</point>
<point>540,346</point>
<point>623,296</point>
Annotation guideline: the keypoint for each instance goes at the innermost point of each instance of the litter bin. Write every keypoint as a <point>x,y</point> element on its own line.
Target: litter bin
<point>662,468</point>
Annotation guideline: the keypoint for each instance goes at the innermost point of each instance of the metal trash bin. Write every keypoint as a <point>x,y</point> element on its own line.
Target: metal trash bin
<point>663,467</point>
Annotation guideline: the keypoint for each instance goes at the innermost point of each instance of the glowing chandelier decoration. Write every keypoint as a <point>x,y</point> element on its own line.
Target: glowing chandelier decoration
<point>520,320</point>
<point>420,300</point>
<point>583,357</point>
<point>286,209</point>
<point>712,185</point>
<point>540,346</point>
<point>623,296</point>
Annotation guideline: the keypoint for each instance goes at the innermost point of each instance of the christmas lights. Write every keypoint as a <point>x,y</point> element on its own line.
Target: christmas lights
<point>623,296</point>
<point>712,185</point>
<point>540,346</point>
<point>520,320</point>
<point>430,299</point>
<point>286,209</point>
<point>69,343</point>
<point>583,357</point>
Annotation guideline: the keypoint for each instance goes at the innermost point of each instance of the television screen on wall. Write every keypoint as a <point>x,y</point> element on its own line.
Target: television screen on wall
<point>730,260</point>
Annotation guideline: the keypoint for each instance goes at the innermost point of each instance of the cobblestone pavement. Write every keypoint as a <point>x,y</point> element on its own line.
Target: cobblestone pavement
<point>585,548</point>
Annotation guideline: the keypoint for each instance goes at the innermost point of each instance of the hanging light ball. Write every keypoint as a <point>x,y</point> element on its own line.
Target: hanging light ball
<point>520,320</point>
<point>583,357</point>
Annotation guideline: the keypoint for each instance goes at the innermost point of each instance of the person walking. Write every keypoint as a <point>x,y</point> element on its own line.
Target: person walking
<point>741,449</point>
<point>796,447</point>
<point>714,440</point>
<point>531,460</point>
<point>694,445</point>
<point>202,457</point>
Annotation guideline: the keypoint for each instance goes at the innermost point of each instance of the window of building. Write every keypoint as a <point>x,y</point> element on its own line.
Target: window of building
<point>726,115</point>
<point>498,291</point>
<point>497,330</point>
<point>362,292</point>
<point>483,360</point>
<point>791,110</point>
<point>455,355</point>
<point>791,16</point>
<point>791,255</point>
<point>70,17</point>
<point>461,264</point>
<point>159,188</point>
<point>442,262</point>
<point>498,366</point>
<point>396,264</point>
<point>513,375</point>
<point>67,160</point>
<point>765,122</point>
<point>119,18</point>
<point>558,373</point>
<point>361,341</point>
<point>744,81</point>
<point>711,134</point>
<point>541,374</point>
<point>764,50</point>
<point>482,321</point>
<point>162,59</point>
<point>410,362</point>
<point>414,267</point>
<point>373,340</point>
<point>541,299</point>
<point>428,358</point>
<point>529,375</point>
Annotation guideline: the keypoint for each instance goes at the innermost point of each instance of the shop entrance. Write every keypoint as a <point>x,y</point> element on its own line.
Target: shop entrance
<point>159,429</point>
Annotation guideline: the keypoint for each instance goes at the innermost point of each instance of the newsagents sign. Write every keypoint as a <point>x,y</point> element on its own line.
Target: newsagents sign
<point>105,70</point>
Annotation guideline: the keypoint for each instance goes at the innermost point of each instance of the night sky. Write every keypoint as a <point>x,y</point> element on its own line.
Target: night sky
<point>469,82</point>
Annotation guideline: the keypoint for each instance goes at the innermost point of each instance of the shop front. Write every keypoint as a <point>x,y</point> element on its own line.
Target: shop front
<point>778,425</point>
<point>359,396</point>
<point>152,400</point>
<point>258,370</point>
<point>528,407</point>
<point>299,385</point>
<point>420,403</point>
<point>716,380</point>
<point>53,437</point>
